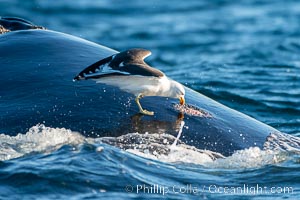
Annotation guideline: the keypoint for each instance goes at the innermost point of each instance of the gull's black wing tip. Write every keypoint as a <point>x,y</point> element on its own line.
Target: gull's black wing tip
<point>92,69</point>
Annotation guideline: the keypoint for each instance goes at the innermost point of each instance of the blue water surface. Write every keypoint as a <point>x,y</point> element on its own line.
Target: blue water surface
<point>244,54</point>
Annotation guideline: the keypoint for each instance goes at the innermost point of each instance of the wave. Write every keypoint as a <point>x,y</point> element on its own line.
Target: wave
<point>39,139</point>
<point>160,147</point>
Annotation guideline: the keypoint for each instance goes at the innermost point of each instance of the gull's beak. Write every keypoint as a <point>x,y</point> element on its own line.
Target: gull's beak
<point>181,100</point>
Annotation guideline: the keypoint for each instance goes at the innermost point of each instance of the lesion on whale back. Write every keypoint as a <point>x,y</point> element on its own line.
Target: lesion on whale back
<point>8,24</point>
<point>192,110</point>
<point>154,144</point>
<point>3,30</point>
<point>278,141</point>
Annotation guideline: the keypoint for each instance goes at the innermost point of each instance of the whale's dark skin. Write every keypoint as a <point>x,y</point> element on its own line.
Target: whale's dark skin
<point>36,86</point>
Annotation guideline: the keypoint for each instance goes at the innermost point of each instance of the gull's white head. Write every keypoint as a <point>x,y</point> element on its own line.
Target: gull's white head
<point>177,91</point>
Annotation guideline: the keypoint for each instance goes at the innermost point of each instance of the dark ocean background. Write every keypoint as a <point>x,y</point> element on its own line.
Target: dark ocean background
<point>244,54</point>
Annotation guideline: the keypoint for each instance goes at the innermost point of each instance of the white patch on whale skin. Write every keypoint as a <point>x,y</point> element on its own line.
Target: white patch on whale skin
<point>178,154</point>
<point>252,157</point>
<point>167,148</point>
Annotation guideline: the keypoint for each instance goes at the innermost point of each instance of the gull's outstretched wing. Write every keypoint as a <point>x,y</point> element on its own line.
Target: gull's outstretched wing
<point>130,62</point>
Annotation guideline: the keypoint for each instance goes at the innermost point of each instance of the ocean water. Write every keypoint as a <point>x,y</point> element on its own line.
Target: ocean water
<point>244,54</point>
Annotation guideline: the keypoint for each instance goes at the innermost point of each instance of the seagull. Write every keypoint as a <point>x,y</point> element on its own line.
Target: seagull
<point>128,71</point>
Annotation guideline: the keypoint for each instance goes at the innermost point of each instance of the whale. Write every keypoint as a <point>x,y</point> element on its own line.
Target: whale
<point>37,87</point>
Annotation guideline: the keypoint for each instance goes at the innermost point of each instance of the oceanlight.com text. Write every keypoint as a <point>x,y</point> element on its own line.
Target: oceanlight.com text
<point>211,189</point>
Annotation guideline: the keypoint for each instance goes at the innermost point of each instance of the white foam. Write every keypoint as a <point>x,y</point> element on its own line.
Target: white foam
<point>38,139</point>
<point>248,158</point>
<point>253,157</point>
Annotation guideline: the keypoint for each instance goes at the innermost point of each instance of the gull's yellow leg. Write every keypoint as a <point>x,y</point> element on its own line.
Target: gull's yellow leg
<point>145,112</point>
